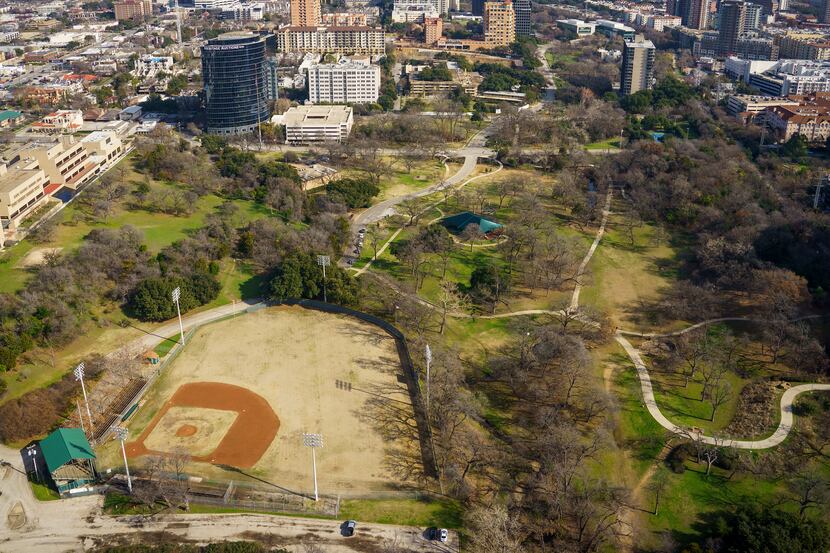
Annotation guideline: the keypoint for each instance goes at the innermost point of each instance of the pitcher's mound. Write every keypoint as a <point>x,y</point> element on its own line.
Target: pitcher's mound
<point>186,430</point>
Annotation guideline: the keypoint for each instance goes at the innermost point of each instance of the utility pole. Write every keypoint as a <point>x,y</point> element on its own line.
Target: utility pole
<point>824,181</point>
<point>428,357</point>
<point>324,261</point>
<point>121,433</point>
<point>313,441</point>
<point>79,376</point>
<point>177,292</point>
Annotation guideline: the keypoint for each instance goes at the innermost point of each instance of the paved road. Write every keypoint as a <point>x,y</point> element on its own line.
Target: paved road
<point>471,153</point>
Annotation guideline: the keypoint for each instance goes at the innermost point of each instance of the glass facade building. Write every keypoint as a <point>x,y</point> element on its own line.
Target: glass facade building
<point>236,83</point>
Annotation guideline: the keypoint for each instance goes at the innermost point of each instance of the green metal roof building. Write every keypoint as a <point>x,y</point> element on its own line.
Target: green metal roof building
<point>460,221</point>
<point>6,115</point>
<point>69,458</point>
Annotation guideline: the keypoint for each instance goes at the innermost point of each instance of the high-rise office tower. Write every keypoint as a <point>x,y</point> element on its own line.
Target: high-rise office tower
<point>305,13</point>
<point>522,9</point>
<point>731,23</point>
<point>236,83</point>
<point>478,7</point>
<point>693,13</point>
<point>499,23</point>
<point>637,71</point>
<point>824,13</point>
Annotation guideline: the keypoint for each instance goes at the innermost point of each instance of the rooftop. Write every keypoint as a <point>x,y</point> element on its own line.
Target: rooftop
<point>65,445</point>
<point>327,115</point>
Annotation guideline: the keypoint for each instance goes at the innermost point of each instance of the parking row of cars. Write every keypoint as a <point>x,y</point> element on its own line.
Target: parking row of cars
<point>349,527</point>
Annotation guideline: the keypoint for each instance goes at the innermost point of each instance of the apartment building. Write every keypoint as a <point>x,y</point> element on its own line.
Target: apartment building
<point>810,119</point>
<point>499,23</point>
<point>347,82</point>
<point>637,65</point>
<point>803,46</point>
<point>793,77</point>
<point>408,11</point>
<point>335,40</point>
<point>345,19</point>
<point>305,13</point>
<point>23,188</point>
<point>133,9</point>
<point>305,124</point>
<point>433,29</point>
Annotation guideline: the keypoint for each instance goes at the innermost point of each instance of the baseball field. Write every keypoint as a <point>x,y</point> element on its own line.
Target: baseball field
<point>244,390</point>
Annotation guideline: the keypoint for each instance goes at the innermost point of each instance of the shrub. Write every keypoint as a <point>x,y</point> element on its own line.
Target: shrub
<point>353,192</point>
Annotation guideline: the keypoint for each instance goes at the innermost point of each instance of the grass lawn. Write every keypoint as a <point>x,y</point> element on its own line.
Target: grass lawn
<point>443,513</point>
<point>607,144</point>
<point>625,277</point>
<point>44,493</point>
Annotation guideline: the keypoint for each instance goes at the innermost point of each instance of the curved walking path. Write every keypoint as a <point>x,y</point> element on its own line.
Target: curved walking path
<point>773,440</point>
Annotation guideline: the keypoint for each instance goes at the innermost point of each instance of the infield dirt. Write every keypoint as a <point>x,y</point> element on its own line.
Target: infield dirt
<point>297,360</point>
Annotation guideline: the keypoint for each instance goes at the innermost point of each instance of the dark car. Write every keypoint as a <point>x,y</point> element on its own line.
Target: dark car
<point>349,528</point>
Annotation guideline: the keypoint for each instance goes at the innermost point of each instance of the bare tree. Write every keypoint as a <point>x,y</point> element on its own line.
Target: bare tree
<point>471,233</point>
<point>493,530</point>
<point>451,300</point>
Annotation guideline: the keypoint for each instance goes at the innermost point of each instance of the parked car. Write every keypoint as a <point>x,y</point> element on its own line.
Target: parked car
<point>443,535</point>
<point>349,528</point>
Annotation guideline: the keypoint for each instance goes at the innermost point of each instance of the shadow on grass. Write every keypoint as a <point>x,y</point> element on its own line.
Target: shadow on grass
<point>237,470</point>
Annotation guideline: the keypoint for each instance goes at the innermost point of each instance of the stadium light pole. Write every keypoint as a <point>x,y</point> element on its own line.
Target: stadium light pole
<point>121,433</point>
<point>177,292</point>
<point>32,452</point>
<point>428,357</point>
<point>79,376</point>
<point>313,441</point>
<point>323,261</point>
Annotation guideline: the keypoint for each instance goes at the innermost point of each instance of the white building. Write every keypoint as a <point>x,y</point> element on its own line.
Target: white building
<point>413,11</point>
<point>244,12</point>
<point>789,77</point>
<point>150,66</point>
<point>347,82</point>
<point>577,26</point>
<point>63,121</point>
<point>304,124</point>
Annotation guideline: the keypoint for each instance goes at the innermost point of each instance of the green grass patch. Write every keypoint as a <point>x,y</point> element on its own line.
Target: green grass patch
<point>443,513</point>
<point>44,493</point>
<point>169,343</point>
<point>607,144</point>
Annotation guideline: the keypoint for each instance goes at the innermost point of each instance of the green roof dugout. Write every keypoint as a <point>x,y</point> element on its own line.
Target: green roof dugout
<point>69,458</point>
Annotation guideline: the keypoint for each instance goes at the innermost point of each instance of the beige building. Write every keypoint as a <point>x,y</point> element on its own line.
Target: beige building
<point>810,119</point>
<point>335,40</point>
<point>305,13</point>
<point>499,23</point>
<point>133,9</point>
<point>637,72</point>
<point>803,46</point>
<point>23,188</point>
<point>345,19</point>
<point>304,124</point>
<point>433,29</point>
<point>103,147</point>
<point>66,162</point>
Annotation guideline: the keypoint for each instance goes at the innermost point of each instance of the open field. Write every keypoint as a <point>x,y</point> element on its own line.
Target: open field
<point>318,373</point>
<point>158,229</point>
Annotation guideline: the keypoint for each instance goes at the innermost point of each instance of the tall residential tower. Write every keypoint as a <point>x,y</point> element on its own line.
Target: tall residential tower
<point>637,65</point>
